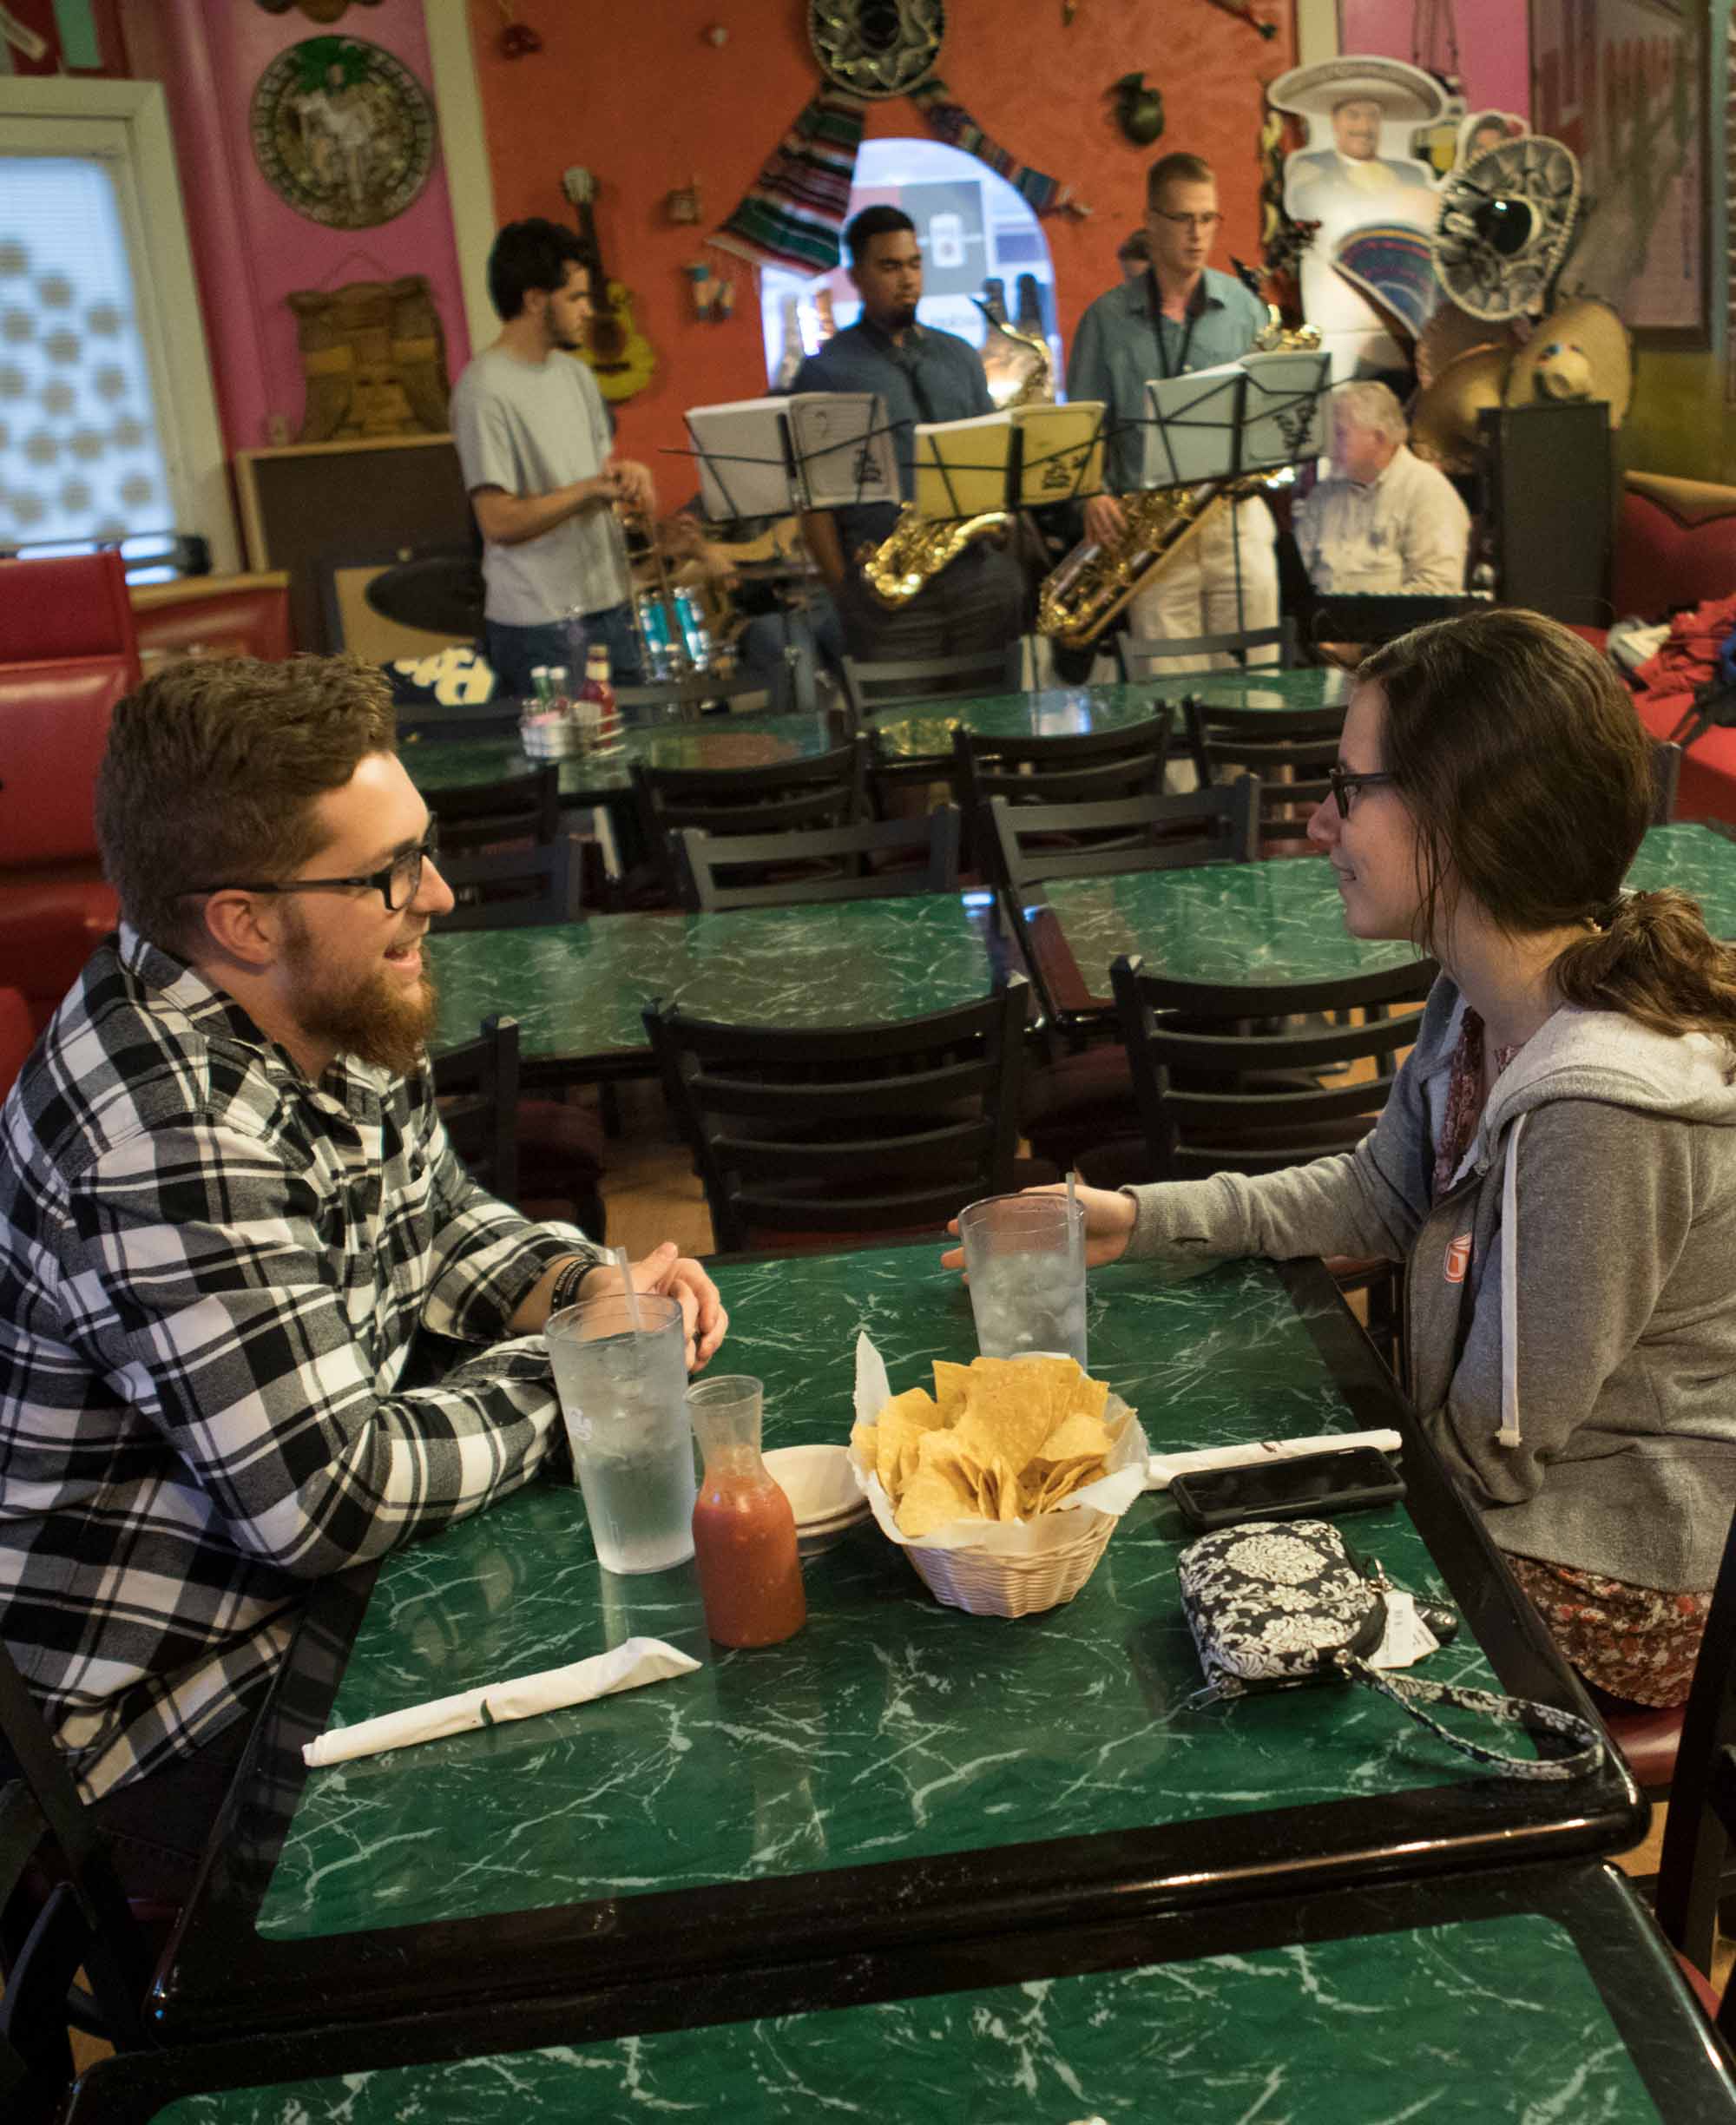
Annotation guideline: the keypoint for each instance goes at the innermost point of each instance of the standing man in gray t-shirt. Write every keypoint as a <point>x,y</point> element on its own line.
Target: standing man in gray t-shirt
<point>535,443</point>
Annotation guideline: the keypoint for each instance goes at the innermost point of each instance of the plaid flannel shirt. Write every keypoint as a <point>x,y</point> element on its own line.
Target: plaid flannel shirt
<point>211,1270</point>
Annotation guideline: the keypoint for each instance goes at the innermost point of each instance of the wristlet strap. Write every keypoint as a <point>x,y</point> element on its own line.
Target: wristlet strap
<point>1410,1695</point>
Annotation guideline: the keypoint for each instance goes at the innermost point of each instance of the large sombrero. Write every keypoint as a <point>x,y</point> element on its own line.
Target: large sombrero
<point>1402,91</point>
<point>1504,225</point>
<point>1580,351</point>
<point>1444,426</point>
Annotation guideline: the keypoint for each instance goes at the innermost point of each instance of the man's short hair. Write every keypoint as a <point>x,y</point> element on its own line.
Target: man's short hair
<point>874,222</point>
<point>1373,406</point>
<point>531,254</point>
<point>212,773</point>
<point>1175,169</point>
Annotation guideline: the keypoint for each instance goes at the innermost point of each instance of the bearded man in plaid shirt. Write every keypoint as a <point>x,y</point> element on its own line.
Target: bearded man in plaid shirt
<point>227,1204</point>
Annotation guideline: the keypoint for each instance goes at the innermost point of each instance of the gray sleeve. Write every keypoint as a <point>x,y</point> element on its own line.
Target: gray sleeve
<point>483,435</point>
<point>1605,1199</point>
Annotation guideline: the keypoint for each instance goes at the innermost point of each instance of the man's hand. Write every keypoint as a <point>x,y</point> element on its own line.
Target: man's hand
<point>633,484</point>
<point>1109,1223</point>
<point>668,1273</point>
<point>1105,520</point>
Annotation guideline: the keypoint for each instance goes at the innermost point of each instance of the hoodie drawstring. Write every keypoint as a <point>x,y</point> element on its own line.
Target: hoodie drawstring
<point>1509,1433</point>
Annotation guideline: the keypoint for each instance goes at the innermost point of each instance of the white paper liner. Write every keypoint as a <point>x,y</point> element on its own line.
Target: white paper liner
<point>629,1666</point>
<point>1109,1495</point>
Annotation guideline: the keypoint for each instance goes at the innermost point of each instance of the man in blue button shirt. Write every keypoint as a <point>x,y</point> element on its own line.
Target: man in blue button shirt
<point>1177,317</point>
<point>977,601</point>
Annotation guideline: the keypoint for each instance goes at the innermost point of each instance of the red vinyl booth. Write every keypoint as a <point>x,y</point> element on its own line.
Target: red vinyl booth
<point>67,652</point>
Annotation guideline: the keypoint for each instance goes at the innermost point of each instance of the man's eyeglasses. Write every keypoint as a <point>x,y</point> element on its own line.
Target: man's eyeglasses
<point>397,883</point>
<point>1205,223</point>
<point>1345,785</point>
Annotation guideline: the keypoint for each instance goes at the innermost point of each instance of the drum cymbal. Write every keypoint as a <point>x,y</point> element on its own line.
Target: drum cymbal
<point>440,592</point>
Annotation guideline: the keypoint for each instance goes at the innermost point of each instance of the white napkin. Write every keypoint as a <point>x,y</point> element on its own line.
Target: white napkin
<point>628,1667</point>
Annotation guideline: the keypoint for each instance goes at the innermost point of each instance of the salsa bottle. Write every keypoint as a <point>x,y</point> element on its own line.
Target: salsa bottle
<point>744,1531</point>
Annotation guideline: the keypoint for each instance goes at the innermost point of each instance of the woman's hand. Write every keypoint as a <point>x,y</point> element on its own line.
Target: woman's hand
<point>1108,1224</point>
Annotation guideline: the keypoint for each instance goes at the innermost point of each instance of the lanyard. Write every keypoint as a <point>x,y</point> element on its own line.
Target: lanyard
<point>1155,312</point>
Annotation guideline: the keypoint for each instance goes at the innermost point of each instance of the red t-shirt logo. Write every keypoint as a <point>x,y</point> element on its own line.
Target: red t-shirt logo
<point>1458,1258</point>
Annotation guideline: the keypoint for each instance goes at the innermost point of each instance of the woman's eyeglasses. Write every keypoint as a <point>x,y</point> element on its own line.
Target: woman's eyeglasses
<point>397,883</point>
<point>1345,784</point>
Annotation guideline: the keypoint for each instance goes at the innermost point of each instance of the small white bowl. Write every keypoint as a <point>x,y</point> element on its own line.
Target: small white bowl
<point>821,1488</point>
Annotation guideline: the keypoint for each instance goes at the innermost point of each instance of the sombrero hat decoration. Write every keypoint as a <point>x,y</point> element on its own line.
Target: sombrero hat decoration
<point>1580,351</point>
<point>1402,91</point>
<point>1504,225</point>
<point>1443,420</point>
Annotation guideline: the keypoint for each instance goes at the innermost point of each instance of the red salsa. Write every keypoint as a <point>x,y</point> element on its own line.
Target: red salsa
<point>745,1547</point>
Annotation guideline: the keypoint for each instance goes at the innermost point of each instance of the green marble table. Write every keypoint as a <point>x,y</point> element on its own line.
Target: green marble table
<point>1521,1997</point>
<point>590,778</point>
<point>577,989</point>
<point>1284,692</point>
<point>1267,924</point>
<point>923,731</point>
<point>899,1770</point>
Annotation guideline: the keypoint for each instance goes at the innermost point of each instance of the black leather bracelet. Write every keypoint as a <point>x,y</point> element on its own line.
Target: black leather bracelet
<point>565,1289</point>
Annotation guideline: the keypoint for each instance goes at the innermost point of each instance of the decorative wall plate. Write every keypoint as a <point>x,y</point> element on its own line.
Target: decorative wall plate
<point>343,131</point>
<point>876,48</point>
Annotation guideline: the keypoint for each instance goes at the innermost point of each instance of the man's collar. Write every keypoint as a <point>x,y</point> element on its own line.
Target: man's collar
<point>879,336</point>
<point>1144,299</point>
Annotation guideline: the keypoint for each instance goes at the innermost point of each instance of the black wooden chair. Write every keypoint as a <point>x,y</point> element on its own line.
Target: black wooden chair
<point>694,694</point>
<point>62,1912</point>
<point>825,789</point>
<point>1693,1868</point>
<point>1289,750</point>
<point>429,720</point>
<point>477,1087</point>
<point>1214,1094</point>
<point>896,682</point>
<point>846,1130</point>
<point>511,889</point>
<point>1141,660</point>
<point>520,809</point>
<point>869,861</point>
<point>1087,767</point>
<point>1667,760</point>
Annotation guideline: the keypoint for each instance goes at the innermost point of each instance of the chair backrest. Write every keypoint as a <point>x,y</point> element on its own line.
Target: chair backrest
<point>70,608</point>
<point>477,1087</point>
<point>1132,834</point>
<point>825,789</point>
<point>513,890</point>
<point>497,718</point>
<point>868,1129</point>
<point>1141,657</point>
<point>686,699</point>
<point>880,683</point>
<point>54,729</point>
<point>1666,776</point>
<point>61,1899</point>
<point>1696,1834</point>
<point>1290,750</point>
<point>868,861</point>
<point>1201,1076</point>
<point>1086,768</point>
<point>522,808</point>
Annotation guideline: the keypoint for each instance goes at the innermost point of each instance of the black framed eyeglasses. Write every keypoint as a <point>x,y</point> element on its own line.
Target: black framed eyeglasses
<point>1345,785</point>
<point>1203,221</point>
<point>396,883</point>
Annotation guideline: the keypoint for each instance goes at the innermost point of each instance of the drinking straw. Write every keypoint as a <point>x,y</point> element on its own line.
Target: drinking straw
<point>632,1296</point>
<point>1072,1193</point>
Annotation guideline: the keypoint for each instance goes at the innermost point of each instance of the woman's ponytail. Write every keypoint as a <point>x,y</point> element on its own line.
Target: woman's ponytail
<point>1650,956</point>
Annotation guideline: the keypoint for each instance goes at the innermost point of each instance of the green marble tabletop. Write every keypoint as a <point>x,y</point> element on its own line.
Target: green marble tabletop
<point>1460,2022</point>
<point>1282,921</point>
<point>577,989</point>
<point>891,1728</point>
<point>925,732</point>
<point>1304,687</point>
<point>591,778</point>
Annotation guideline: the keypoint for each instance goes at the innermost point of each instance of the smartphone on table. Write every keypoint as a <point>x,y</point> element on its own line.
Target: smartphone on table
<point>1308,1487</point>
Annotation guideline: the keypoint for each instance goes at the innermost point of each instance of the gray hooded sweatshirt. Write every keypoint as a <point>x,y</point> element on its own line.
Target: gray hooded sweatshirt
<point>1570,1298</point>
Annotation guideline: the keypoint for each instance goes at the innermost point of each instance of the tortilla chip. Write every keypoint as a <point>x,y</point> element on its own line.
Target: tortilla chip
<point>1077,1433</point>
<point>950,1384</point>
<point>942,1489</point>
<point>1002,1418</point>
<point>865,1444</point>
<point>903,1422</point>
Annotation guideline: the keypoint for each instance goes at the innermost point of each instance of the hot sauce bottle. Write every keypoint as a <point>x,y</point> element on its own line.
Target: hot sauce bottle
<point>744,1531</point>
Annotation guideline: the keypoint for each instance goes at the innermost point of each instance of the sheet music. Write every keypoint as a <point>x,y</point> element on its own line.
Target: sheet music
<point>843,447</point>
<point>743,457</point>
<point>1191,425</point>
<point>1284,418</point>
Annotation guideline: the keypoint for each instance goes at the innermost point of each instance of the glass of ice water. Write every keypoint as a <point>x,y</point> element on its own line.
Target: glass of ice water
<point>623,1397</point>
<point>1025,1257</point>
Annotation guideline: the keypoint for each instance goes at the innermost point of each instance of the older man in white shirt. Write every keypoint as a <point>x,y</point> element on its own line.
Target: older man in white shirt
<point>1383,520</point>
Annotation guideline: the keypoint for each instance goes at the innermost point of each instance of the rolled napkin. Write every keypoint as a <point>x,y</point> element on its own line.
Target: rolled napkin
<point>630,1665</point>
<point>1162,1466</point>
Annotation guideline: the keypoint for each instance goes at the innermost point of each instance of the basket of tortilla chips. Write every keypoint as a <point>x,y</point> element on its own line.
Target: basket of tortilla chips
<point>1004,1486</point>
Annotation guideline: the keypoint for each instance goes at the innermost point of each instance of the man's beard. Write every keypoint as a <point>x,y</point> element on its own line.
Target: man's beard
<point>374,1018</point>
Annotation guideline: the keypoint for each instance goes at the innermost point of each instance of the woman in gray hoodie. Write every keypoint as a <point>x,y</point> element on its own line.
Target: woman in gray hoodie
<point>1556,1164</point>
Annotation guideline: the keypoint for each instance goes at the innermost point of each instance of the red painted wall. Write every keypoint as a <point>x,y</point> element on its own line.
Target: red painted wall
<point>647,102</point>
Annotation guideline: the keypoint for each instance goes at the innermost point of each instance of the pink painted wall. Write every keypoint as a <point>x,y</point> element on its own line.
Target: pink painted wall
<point>1493,46</point>
<point>251,248</point>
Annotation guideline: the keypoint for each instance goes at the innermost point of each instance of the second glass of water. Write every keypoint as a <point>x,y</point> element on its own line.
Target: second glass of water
<point>1025,1257</point>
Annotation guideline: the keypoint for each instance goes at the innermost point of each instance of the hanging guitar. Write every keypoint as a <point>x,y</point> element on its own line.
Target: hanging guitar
<point>620,357</point>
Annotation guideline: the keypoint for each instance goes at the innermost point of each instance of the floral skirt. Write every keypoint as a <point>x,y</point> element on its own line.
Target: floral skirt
<point>1634,1641</point>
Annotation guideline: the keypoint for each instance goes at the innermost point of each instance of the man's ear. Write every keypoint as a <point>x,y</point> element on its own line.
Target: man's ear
<point>245,927</point>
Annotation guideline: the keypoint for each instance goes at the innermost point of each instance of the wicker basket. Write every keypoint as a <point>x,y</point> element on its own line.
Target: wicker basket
<point>983,1584</point>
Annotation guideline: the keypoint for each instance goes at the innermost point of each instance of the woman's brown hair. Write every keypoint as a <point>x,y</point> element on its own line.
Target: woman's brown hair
<point>212,773</point>
<point>1529,777</point>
